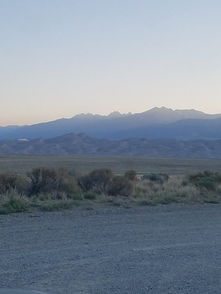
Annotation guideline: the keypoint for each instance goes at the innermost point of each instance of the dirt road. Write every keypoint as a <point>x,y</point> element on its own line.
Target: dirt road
<point>165,249</point>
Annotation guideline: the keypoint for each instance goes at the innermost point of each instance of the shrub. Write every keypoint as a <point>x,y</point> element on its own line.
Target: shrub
<point>207,183</point>
<point>131,175</point>
<point>207,180</point>
<point>159,178</point>
<point>85,183</point>
<point>172,191</point>
<point>13,202</point>
<point>13,182</point>
<point>45,180</point>
<point>98,180</point>
<point>120,186</point>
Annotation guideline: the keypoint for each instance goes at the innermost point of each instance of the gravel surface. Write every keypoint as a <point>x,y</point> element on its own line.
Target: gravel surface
<point>165,249</point>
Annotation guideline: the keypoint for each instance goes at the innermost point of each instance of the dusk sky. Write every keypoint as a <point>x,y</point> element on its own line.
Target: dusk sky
<point>63,57</point>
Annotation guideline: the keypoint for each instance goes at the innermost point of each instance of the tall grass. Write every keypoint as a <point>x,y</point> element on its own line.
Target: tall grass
<point>13,202</point>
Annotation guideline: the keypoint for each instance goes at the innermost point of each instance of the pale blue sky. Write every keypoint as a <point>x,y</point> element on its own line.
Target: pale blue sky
<point>62,57</point>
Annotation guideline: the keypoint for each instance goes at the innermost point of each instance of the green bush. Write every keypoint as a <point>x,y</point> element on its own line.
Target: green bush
<point>13,203</point>
<point>45,180</point>
<point>207,180</point>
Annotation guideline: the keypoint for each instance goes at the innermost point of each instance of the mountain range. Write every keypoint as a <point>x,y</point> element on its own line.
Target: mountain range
<point>83,144</point>
<point>158,132</point>
<point>156,123</point>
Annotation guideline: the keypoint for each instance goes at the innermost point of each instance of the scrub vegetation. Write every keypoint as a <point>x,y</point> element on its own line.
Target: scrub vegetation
<point>51,189</point>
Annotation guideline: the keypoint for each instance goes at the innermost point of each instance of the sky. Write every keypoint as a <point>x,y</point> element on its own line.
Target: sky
<point>59,58</point>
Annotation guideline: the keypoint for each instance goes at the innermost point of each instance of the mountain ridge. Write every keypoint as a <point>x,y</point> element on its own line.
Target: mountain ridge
<point>81,144</point>
<point>118,126</point>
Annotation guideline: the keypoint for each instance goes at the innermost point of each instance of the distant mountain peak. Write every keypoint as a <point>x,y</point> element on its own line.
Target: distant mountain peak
<point>115,114</point>
<point>160,109</point>
<point>86,116</point>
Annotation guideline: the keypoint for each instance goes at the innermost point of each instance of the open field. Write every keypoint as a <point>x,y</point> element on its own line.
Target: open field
<point>119,164</point>
<point>165,249</point>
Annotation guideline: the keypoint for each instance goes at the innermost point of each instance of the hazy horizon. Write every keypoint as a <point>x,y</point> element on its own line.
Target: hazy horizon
<point>61,58</point>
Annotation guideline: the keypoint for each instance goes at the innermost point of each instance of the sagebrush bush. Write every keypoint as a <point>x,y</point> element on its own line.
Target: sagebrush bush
<point>10,182</point>
<point>120,185</point>
<point>98,181</point>
<point>131,175</point>
<point>47,180</point>
<point>208,180</point>
<point>159,178</point>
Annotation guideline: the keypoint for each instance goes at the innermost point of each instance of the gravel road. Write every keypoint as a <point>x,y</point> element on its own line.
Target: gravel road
<point>165,249</point>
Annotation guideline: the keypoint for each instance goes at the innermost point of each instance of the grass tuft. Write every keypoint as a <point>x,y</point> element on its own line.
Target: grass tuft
<point>13,203</point>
